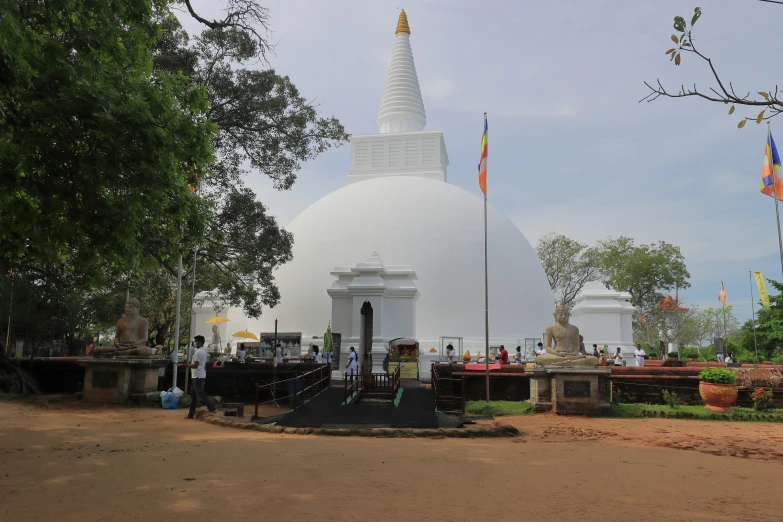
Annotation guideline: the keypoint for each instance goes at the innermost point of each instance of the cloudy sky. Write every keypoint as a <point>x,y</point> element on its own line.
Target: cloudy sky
<point>571,149</point>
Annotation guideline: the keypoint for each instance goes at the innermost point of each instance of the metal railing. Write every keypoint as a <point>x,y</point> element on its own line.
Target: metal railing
<point>445,401</point>
<point>312,383</point>
<point>379,383</point>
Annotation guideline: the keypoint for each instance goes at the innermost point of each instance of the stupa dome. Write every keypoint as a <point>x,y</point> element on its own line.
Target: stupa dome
<point>436,229</point>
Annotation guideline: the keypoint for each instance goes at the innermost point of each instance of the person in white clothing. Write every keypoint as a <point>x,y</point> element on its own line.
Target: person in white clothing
<point>351,366</point>
<point>729,360</point>
<point>618,358</point>
<point>241,353</point>
<point>451,355</point>
<point>278,354</point>
<point>540,350</point>
<point>316,354</point>
<point>639,354</point>
<point>198,374</point>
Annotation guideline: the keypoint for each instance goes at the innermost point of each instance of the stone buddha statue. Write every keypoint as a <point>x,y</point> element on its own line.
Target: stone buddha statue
<point>562,343</point>
<point>132,333</point>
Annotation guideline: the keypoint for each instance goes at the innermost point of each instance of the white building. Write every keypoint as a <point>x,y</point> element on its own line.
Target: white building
<point>605,317</point>
<point>399,252</point>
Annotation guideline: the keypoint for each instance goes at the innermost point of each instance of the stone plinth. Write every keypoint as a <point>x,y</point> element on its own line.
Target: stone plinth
<point>114,380</point>
<point>569,391</point>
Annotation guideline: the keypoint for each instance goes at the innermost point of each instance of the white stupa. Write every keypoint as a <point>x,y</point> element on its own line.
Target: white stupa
<point>399,252</point>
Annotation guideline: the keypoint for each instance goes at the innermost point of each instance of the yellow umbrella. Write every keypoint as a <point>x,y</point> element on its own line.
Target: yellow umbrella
<point>216,320</point>
<point>246,335</point>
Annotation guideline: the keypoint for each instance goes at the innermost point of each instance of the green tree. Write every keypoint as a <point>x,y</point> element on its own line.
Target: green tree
<point>769,330</point>
<point>722,91</point>
<point>568,264</point>
<point>645,271</point>
<point>96,149</point>
<point>265,126</point>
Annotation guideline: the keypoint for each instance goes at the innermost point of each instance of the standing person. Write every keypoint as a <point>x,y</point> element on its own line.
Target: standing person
<point>729,359</point>
<point>582,345</point>
<point>316,354</point>
<point>198,374</point>
<point>518,355</point>
<point>351,366</point>
<point>279,354</point>
<point>241,353</point>
<point>720,357</point>
<point>503,355</point>
<point>595,350</point>
<point>540,350</point>
<point>618,357</point>
<point>639,354</point>
<point>451,355</point>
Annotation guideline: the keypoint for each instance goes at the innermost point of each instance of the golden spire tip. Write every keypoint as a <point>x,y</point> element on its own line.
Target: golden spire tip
<point>402,24</point>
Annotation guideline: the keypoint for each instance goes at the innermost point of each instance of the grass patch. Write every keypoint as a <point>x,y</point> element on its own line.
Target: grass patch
<point>499,408</point>
<point>695,412</point>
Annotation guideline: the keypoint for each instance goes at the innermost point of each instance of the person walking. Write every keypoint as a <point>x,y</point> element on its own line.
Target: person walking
<point>198,375</point>
<point>351,366</point>
<point>639,355</point>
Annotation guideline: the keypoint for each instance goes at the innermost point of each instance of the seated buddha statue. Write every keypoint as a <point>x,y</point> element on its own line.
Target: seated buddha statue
<point>132,333</point>
<point>562,344</point>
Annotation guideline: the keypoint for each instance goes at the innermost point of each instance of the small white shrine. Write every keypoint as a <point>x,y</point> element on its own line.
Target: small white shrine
<point>605,317</point>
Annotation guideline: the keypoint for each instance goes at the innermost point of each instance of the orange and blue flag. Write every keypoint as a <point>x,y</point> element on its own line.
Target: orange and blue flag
<point>483,163</point>
<point>771,184</point>
<point>722,294</point>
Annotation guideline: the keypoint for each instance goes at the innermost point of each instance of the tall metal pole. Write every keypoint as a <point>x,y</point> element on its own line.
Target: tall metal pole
<point>775,179</point>
<point>486,300</point>
<point>10,308</point>
<point>190,328</point>
<point>753,309</point>
<point>176,323</point>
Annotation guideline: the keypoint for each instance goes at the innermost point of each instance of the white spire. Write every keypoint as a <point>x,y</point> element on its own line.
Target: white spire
<point>402,109</point>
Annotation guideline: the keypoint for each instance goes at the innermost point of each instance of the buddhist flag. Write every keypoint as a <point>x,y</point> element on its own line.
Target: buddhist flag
<point>483,163</point>
<point>722,294</point>
<point>762,289</point>
<point>771,185</point>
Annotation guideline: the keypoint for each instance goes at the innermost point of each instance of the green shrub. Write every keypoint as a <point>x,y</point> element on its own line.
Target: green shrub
<point>672,354</point>
<point>670,399</point>
<point>718,376</point>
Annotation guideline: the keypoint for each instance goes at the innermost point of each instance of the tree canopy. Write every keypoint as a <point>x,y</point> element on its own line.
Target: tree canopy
<point>125,143</point>
<point>647,272</point>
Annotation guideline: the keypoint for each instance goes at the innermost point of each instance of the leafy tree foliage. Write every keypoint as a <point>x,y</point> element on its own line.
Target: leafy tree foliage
<point>568,264</point>
<point>644,271</point>
<point>96,148</point>
<point>769,330</point>
<point>265,126</point>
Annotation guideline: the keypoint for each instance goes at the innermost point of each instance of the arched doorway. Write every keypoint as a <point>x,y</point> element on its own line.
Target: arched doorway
<point>365,336</point>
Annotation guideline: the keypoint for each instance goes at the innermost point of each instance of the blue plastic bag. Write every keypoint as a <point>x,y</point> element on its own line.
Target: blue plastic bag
<point>168,400</point>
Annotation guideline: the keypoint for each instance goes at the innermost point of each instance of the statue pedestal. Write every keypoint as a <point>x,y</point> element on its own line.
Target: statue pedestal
<point>114,380</point>
<point>570,391</point>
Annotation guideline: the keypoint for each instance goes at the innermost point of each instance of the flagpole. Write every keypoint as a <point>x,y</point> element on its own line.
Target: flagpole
<point>486,286</point>
<point>753,310</point>
<point>775,192</point>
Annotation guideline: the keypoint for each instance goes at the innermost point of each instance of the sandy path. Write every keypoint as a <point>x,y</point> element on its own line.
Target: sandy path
<point>129,464</point>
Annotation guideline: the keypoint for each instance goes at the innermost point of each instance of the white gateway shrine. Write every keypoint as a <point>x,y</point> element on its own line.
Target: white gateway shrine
<point>399,252</point>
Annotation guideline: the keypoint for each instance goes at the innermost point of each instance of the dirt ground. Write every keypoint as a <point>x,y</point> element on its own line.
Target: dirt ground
<point>66,462</point>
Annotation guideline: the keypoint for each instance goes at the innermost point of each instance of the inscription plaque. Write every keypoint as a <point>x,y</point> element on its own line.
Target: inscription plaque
<point>576,388</point>
<point>104,379</point>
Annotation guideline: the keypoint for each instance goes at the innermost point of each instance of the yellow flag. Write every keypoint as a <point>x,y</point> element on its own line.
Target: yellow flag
<point>762,289</point>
